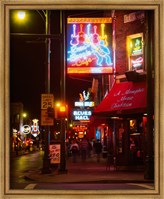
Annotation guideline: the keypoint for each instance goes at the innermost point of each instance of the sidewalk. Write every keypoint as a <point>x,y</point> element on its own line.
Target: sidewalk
<point>89,171</point>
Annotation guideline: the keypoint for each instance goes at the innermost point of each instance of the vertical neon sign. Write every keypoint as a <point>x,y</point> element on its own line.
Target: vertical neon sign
<point>89,45</point>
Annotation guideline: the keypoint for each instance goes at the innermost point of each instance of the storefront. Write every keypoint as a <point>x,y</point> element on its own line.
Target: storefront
<point>125,111</point>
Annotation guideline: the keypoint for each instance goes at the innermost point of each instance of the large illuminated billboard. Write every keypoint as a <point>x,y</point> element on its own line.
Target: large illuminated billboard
<point>89,46</point>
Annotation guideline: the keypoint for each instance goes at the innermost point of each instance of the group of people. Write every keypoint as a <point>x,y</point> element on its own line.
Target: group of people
<point>84,148</point>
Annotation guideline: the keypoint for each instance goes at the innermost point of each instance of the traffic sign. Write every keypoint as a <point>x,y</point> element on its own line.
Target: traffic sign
<point>45,120</point>
<point>47,101</point>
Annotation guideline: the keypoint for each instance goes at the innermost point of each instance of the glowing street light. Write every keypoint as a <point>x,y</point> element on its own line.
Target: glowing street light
<point>21,15</point>
<point>24,115</point>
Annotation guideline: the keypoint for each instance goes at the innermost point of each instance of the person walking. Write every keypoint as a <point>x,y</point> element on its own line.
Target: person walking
<point>74,149</point>
<point>84,148</point>
<point>98,149</point>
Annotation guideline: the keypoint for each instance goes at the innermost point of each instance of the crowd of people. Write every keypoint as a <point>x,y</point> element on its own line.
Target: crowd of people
<point>84,149</point>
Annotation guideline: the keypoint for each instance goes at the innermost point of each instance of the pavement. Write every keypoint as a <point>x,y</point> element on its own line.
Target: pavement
<point>89,171</point>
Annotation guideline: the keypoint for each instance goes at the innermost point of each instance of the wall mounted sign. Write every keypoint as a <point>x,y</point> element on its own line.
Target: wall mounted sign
<point>135,51</point>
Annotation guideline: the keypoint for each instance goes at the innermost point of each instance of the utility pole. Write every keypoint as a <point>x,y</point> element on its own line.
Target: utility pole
<point>62,168</point>
<point>46,160</point>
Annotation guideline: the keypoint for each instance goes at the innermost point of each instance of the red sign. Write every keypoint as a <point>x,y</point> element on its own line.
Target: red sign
<point>123,97</point>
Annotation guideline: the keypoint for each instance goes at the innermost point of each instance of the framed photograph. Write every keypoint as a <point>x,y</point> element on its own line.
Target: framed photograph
<point>23,71</point>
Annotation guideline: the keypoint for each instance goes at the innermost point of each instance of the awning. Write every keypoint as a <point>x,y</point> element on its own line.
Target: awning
<point>124,98</point>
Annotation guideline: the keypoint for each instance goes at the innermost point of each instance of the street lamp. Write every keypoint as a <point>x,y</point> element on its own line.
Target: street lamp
<point>21,15</point>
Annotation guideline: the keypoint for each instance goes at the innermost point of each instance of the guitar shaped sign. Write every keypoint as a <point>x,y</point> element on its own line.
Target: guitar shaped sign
<point>95,36</point>
<point>74,38</point>
<point>103,36</point>
<point>81,35</point>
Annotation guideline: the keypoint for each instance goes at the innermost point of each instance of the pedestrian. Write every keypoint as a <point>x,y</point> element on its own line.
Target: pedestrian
<point>89,148</point>
<point>98,149</point>
<point>75,150</point>
<point>84,148</point>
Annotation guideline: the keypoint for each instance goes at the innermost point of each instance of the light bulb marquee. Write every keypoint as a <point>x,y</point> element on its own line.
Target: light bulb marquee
<point>89,45</point>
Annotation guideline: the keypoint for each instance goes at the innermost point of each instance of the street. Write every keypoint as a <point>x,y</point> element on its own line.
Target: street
<point>26,175</point>
<point>82,186</point>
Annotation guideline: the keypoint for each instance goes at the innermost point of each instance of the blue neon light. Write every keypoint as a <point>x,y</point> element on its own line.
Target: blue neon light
<point>87,47</point>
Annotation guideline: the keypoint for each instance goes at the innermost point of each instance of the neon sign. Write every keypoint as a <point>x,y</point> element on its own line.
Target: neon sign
<point>136,46</point>
<point>81,114</point>
<point>35,127</point>
<point>26,129</point>
<point>89,45</point>
<point>137,62</point>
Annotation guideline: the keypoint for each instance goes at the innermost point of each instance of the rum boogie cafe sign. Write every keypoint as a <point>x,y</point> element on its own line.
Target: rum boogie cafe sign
<point>81,114</point>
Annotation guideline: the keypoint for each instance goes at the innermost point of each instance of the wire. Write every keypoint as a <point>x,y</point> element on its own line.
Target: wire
<point>88,13</point>
<point>80,79</point>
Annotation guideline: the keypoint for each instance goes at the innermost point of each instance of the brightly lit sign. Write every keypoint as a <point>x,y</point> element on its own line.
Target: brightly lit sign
<point>137,62</point>
<point>84,100</point>
<point>89,45</point>
<point>83,114</point>
<point>35,128</point>
<point>136,46</point>
<point>135,51</point>
<point>26,129</point>
<point>85,104</point>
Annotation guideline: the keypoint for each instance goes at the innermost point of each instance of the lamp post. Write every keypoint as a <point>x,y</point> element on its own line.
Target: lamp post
<point>62,168</point>
<point>46,160</point>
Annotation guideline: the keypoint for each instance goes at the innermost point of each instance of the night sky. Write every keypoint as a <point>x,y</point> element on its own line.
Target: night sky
<point>27,66</point>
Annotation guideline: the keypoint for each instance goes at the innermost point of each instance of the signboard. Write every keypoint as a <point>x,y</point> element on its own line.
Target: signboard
<point>45,120</point>
<point>135,51</point>
<point>85,104</point>
<point>47,100</point>
<point>81,114</point>
<point>54,153</point>
<point>136,45</point>
<point>89,46</point>
<point>124,97</point>
<point>134,16</point>
<point>26,129</point>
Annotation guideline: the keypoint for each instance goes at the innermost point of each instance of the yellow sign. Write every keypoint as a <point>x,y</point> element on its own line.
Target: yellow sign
<point>47,101</point>
<point>45,120</point>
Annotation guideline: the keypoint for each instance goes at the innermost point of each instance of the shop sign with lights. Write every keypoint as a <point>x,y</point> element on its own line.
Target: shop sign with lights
<point>35,127</point>
<point>84,100</point>
<point>26,129</point>
<point>89,46</point>
<point>83,114</point>
<point>135,51</point>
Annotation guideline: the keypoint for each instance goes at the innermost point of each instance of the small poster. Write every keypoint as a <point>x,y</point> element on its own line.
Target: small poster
<point>54,153</point>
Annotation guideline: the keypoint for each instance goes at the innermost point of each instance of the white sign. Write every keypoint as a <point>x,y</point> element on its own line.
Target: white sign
<point>134,16</point>
<point>54,153</point>
<point>47,100</point>
<point>84,104</point>
<point>26,129</point>
<point>81,114</point>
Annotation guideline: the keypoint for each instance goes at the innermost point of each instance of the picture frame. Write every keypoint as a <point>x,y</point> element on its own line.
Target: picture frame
<point>158,8</point>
